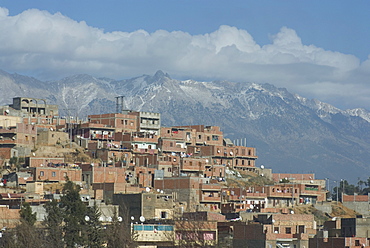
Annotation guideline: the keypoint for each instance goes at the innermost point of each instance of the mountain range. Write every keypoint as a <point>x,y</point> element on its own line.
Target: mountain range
<point>292,134</point>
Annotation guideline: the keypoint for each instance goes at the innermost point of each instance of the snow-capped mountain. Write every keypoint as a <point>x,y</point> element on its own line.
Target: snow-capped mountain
<point>291,133</point>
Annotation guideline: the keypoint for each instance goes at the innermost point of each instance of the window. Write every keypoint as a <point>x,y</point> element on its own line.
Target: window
<point>288,230</point>
<point>53,174</point>
<point>357,242</point>
<point>41,173</point>
<point>214,137</point>
<point>276,229</point>
<point>301,228</point>
<point>199,136</point>
<point>163,215</point>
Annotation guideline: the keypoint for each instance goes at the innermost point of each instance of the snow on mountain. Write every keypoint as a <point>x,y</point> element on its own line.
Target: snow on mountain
<point>291,133</point>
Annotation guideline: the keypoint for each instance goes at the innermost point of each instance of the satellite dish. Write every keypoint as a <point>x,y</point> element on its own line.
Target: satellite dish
<point>161,191</point>
<point>34,154</point>
<point>132,218</point>
<point>262,167</point>
<point>87,218</point>
<point>101,218</point>
<point>147,189</point>
<point>7,111</point>
<point>142,218</point>
<point>120,219</point>
<point>158,190</point>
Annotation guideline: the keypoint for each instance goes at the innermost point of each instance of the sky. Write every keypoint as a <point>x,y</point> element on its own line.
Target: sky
<point>317,49</point>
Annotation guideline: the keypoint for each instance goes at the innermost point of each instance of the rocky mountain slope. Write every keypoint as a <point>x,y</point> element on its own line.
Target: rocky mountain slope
<point>291,133</point>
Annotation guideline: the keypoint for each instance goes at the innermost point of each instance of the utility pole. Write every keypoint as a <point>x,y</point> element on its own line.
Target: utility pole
<point>337,189</point>
<point>342,181</point>
<point>69,129</point>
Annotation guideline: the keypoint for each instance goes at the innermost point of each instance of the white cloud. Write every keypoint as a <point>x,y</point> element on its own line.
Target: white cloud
<point>52,46</point>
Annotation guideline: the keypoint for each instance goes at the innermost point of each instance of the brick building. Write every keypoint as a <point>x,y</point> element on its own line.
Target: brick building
<point>275,230</point>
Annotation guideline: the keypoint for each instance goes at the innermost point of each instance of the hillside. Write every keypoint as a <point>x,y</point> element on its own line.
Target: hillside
<point>291,133</point>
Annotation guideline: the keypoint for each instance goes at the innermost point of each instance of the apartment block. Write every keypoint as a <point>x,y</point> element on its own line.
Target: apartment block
<point>275,230</point>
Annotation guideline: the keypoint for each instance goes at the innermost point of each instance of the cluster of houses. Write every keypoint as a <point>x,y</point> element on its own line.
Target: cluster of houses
<point>171,181</point>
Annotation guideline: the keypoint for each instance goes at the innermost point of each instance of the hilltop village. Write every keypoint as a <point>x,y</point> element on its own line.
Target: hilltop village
<point>180,186</point>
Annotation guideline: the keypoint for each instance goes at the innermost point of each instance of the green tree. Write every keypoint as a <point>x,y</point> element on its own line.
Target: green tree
<point>53,224</point>
<point>24,234</point>
<point>74,211</point>
<point>27,215</point>
<point>93,228</point>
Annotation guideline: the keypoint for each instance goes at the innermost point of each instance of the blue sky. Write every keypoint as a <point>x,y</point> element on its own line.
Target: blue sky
<point>318,49</point>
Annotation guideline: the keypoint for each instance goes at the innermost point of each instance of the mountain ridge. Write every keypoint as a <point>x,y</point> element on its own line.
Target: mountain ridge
<point>291,133</point>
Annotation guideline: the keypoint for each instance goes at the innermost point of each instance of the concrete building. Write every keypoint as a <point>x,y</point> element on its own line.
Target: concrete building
<point>34,106</point>
<point>130,121</point>
<point>17,141</point>
<point>275,230</point>
<point>345,232</point>
<point>359,203</point>
<point>150,205</point>
<point>200,194</point>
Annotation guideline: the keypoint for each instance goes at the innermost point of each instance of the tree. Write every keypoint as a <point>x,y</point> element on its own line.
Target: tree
<point>53,223</point>
<point>114,232</point>
<point>120,233</point>
<point>93,229</point>
<point>74,211</point>
<point>24,234</point>
<point>27,215</point>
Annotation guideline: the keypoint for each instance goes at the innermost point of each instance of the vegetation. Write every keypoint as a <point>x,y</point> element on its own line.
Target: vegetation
<point>16,161</point>
<point>362,188</point>
<point>69,223</point>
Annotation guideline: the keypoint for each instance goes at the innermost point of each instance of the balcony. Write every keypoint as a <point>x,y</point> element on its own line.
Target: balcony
<point>146,151</point>
<point>210,187</point>
<point>7,141</point>
<point>207,198</point>
<point>192,168</point>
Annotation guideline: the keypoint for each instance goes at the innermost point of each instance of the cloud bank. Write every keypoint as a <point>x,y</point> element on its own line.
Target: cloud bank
<point>51,46</point>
